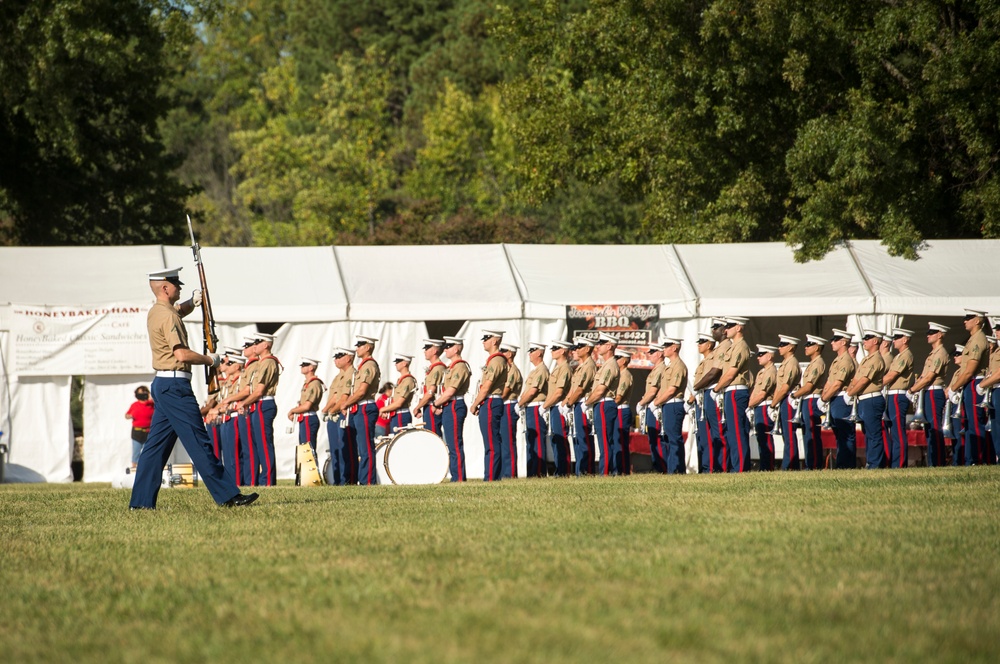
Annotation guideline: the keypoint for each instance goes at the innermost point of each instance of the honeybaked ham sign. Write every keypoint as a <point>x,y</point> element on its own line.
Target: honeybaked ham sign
<point>80,341</point>
<point>632,324</point>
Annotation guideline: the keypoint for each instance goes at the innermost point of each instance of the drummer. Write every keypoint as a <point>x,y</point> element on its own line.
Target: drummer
<point>397,410</point>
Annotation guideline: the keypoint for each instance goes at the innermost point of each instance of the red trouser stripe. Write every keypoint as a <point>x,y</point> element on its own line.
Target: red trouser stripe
<point>458,448</point>
<point>939,448</point>
<point>263,445</point>
<point>252,480</point>
<point>538,439</point>
<point>489,432</point>
<point>736,429</point>
<point>236,451</point>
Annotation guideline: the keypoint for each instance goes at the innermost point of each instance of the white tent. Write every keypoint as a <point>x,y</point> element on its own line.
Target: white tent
<point>319,297</point>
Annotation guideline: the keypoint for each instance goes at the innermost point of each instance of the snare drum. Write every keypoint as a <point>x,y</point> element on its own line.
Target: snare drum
<point>411,456</point>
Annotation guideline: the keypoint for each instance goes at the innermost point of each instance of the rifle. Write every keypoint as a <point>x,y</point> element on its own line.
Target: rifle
<point>207,319</point>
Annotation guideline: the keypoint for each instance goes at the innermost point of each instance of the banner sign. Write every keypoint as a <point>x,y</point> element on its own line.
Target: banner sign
<point>632,324</point>
<point>79,341</point>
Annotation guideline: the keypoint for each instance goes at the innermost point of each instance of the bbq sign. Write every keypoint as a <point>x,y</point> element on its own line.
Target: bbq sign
<point>632,324</point>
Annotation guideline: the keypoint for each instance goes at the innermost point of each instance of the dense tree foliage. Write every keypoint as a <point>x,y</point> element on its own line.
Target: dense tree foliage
<point>80,156</point>
<point>396,121</point>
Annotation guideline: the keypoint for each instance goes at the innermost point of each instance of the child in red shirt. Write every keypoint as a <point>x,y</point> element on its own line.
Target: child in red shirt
<point>141,414</point>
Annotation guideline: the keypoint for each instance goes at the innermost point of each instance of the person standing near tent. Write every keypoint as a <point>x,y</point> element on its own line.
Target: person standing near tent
<point>488,404</point>
<point>248,455</point>
<point>649,417</point>
<point>262,410</point>
<point>703,434</point>
<point>510,418</point>
<point>622,396</point>
<point>761,402</point>
<point>813,382</point>
<point>786,380</point>
<point>433,378</point>
<point>580,385</point>
<point>670,401</point>
<point>931,382</point>
<point>974,361</point>
<point>835,396</point>
<point>176,414</point>
<point>360,406</point>
<point>231,456</point>
<point>734,387</point>
<point>309,399</point>
<point>340,431</point>
<point>988,386</point>
<point>141,415</point>
<point>531,401</point>
<point>559,386</point>
<point>898,380</point>
<point>601,402</point>
<point>398,408</point>
<point>718,448</point>
<point>867,389</point>
<point>450,405</point>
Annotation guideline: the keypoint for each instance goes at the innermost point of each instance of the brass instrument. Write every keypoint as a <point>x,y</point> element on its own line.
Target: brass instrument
<point>918,414</point>
<point>828,417</point>
<point>946,429</point>
<point>699,400</point>
<point>853,417</point>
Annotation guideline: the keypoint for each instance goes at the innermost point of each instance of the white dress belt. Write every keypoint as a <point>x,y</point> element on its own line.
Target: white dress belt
<point>267,398</point>
<point>736,387</point>
<point>674,400</point>
<point>897,392</point>
<point>364,403</point>
<point>174,374</point>
<point>308,413</point>
<point>869,395</point>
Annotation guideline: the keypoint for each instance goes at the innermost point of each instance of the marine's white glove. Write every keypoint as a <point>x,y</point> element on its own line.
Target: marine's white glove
<point>658,414</point>
<point>196,298</point>
<point>688,407</point>
<point>749,413</point>
<point>545,415</point>
<point>565,410</point>
<point>520,410</point>
<point>215,358</point>
<point>955,398</point>
<point>980,390</point>
<point>794,401</point>
<point>823,406</point>
<point>772,413</point>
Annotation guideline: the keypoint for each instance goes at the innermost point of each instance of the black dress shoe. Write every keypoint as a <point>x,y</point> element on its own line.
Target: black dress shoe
<point>241,500</point>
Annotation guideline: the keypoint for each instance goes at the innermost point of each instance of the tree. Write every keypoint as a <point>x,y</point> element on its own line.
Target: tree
<point>81,160</point>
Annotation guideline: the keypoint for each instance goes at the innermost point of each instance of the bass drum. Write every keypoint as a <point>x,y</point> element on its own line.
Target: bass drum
<point>412,456</point>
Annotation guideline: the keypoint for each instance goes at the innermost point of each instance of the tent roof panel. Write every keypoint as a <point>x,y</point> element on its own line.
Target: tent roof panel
<point>948,276</point>
<point>445,282</point>
<point>763,279</point>
<point>70,276</point>
<point>267,284</point>
<point>554,276</point>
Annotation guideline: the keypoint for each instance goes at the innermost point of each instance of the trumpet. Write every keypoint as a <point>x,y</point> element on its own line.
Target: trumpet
<point>853,417</point>
<point>946,429</point>
<point>987,397</point>
<point>719,401</point>
<point>699,400</point>
<point>828,417</point>
<point>799,417</point>
<point>918,414</point>
<point>776,427</point>
<point>885,413</point>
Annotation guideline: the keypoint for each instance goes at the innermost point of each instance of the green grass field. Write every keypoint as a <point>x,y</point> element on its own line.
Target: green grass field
<point>806,567</point>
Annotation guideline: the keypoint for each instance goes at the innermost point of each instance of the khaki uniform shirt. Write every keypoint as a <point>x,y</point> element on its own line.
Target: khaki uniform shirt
<point>843,369</point>
<point>434,377</point>
<point>886,359</point>
<point>815,374</point>
<point>872,368</point>
<point>583,377</point>
<point>246,378</point>
<point>624,391</point>
<point>994,361</point>
<point>902,363</point>
<point>560,378</point>
<point>342,382</point>
<point>266,373</point>
<point>609,375</point>
<point>538,378</point>
<point>937,362</point>
<point>368,373</point>
<point>312,392</point>
<point>675,375</point>
<point>788,373</point>
<point>166,332</point>
<point>975,349</point>
<point>458,376</point>
<point>514,382</point>
<point>720,350</point>
<point>737,356</point>
<point>496,372</point>
<point>707,362</point>
<point>655,377</point>
<point>405,387</point>
<point>766,381</point>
